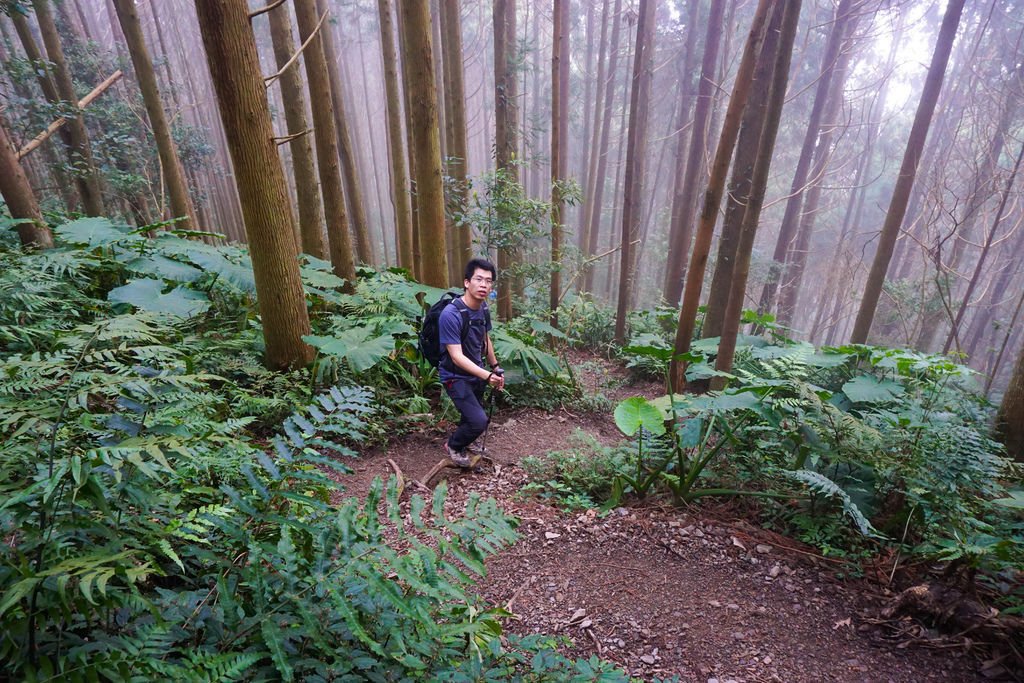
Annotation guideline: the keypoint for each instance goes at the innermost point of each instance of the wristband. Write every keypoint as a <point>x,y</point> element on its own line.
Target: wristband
<point>495,365</point>
<point>489,376</point>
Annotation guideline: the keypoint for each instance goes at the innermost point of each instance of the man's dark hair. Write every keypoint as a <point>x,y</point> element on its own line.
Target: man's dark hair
<point>480,264</point>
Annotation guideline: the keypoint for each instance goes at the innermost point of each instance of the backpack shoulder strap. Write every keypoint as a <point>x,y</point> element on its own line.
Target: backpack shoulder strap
<point>463,310</point>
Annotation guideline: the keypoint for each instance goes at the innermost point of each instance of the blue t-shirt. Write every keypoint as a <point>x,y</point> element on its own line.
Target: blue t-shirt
<point>450,332</point>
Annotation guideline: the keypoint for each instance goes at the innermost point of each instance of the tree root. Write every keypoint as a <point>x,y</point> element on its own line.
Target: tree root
<point>474,460</point>
<point>953,610</point>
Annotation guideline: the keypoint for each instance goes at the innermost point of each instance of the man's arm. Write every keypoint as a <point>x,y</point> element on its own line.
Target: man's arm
<point>460,361</point>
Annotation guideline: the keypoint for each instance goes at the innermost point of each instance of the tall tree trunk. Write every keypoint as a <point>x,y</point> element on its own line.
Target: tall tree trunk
<point>21,201</point>
<point>752,125</point>
<point>823,92</point>
<point>326,139</point>
<point>241,95</point>
<point>410,147</point>
<point>636,145</point>
<point>451,22</point>
<point>1010,419</point>
<point>349,167</point>
<point>307,187</point>
<point>506,125</point>
<point>976,276</point>
<point>174,175</point>
<point>46,84</point>
<point>759,182</point>
<point>796,257</point>
<point>713,197</point>
<point>559,144</point>
<point>89,184</point>
<point>686,176</point>
<point>396,142</point>
<point>418,56</point>
<point>591,144</point>
<point>595,195</point>
<point>908,171</point>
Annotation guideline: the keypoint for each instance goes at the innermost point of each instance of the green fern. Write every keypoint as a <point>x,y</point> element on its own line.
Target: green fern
<point>821,485</point>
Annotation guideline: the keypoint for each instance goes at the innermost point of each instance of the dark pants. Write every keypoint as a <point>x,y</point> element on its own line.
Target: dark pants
<point>468,397</point>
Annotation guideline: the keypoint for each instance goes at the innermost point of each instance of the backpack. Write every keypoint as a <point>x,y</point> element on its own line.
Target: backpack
<point>430,329</point>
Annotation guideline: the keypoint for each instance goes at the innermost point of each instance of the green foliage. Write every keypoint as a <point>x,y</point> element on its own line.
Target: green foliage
<point>168,514</point>
<point>578,477</point>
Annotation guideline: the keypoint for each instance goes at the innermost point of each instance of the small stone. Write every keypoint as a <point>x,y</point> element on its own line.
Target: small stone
<point>775,571</point>
<point>763,549</point>
<point>586,623</point>
<point>647,659</point>
<point>767,660</point>
<point>551,535</point>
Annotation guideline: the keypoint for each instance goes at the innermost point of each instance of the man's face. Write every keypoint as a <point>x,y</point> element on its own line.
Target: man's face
<point>479,286</point>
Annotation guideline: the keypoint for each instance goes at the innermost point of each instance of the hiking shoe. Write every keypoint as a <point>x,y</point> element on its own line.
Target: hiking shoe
<point>458,458</point>
<point>475,449</point>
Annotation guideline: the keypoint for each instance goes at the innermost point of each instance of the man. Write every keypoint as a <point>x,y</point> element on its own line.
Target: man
<point>462,367</point>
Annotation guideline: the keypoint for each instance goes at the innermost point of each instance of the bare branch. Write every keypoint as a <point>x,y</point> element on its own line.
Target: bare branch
<point>264,10</point>
<point>270,79</point>
<point>288,138</point>
<point>55,126</point>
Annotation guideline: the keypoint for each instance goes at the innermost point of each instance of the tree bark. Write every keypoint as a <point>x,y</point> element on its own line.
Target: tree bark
<point>713,197</point>
<point>752,125</point>
<point>595,195</point>
<point>396,142</point>
<point>506,124</point>
<point>559,144</point>
<point>174,175</point>
<point>21,201</point>
<point>822,93</point>
<point>307,187</point>
<point>242,98</point>
<point>1010,419</point>
<point>685,188</point>
<point>418,57</point>
<point>636,145</point>
<point>349,166</point>
<point>908,171</point>
<point>758,184</point>
<point>451,23</point>
<point>326,139</point>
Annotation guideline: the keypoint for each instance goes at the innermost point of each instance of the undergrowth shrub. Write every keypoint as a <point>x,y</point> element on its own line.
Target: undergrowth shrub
<point>170,510</point>
<point>580,476</point>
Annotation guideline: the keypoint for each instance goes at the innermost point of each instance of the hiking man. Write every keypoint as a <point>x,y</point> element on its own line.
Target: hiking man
<point>462,368</point>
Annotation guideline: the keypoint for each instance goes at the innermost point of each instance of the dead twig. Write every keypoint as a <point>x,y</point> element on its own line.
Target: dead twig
<point>270,79</point>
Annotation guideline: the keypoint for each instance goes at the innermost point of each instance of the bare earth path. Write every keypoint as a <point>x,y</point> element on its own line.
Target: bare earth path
<point>661,591</point>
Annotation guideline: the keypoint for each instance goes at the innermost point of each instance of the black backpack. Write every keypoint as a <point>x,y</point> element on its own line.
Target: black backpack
<point>430,332</point>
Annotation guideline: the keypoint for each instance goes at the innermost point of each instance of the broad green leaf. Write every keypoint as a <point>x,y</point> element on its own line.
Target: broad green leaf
<point>147,294</point>
<point>238,275</point>
<point>541,327</point>
<point>870,389</point>
<point>1014,501</point>
<point>161,266</point>
<point>637,412</point>
<point>361,350</point>
<point>94,232</point>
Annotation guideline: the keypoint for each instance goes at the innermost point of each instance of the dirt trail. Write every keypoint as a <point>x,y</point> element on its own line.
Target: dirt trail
<point>667,592</point>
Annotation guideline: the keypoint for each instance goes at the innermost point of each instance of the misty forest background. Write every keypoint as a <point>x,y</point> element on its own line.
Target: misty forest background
<point>691,186</point>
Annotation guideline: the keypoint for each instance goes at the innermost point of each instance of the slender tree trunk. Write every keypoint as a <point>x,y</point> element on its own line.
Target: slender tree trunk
<point>690,165</point>
<point>410,147</point>
<point>396,146</point>
<point>589,176</point>
<point>418,57</point>
<point>457,153</point>
<point>21,201</point>
<point>505,137</point>
<point>636,145</point>
<point>976,276</point>
<point>89,185</point>
<point>326,139</point>
<point>759,182</point>
<point>307,187</point>
<point>1010,420</point>
<point>796,257</point>
<point>713,196</point>
<point>823,92</point>
<point>241,95</point>
<point>559,144</point>
<point>349,167</point>
<point>752,125</point>
<point>595,196</point>
<point>174,175</point>
<point>908,171</point>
